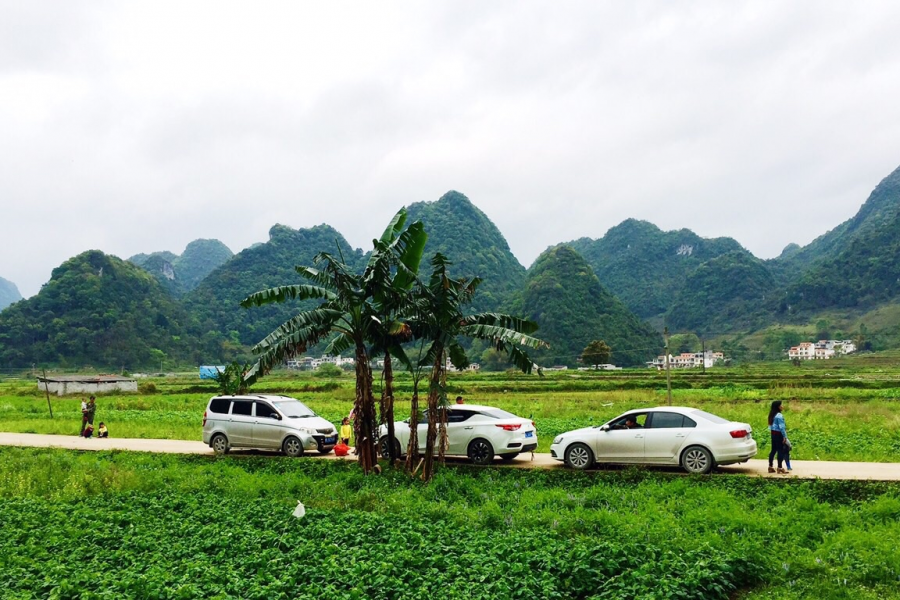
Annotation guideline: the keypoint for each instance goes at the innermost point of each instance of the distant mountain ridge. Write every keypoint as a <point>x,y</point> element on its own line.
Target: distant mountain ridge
<point>459,230</point>
<point>9,293</point>
<point>646,267</point>
<point>672,278</point>
<point>566,299</point>
<point>215,303</point>
<point>181,274</point>
<point>95,310</point>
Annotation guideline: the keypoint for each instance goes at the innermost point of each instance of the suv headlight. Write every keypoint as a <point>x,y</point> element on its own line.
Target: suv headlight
<point>558,439</point>
<point>307,430</point>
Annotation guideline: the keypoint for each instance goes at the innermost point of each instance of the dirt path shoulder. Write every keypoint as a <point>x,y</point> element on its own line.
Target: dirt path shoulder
<point>806,469</point>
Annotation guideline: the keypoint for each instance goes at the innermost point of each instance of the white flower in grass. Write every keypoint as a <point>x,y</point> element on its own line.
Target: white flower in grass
<point>300,511</point>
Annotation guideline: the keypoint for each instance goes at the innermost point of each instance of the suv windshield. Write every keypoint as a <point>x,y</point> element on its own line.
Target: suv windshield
<point>293,409</point>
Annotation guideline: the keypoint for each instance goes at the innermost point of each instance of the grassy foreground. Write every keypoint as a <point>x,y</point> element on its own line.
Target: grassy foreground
<point>118,524</point>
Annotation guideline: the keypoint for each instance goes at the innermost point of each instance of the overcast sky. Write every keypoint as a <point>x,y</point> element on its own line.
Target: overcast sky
<point>140,126</point>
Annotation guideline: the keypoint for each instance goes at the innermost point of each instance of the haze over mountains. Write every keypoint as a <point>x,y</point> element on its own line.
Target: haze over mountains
<point>622,287</point>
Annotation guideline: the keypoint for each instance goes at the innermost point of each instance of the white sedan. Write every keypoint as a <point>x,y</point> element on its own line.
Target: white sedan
<point>479,432</point>
<point>666,435</point>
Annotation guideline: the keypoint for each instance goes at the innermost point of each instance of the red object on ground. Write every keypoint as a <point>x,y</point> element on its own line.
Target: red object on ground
<point>341,450</point>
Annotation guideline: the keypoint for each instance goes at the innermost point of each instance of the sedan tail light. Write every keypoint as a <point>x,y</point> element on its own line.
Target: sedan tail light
<point>739,433</point>
<point>510,427</point>
<point>204,418</point>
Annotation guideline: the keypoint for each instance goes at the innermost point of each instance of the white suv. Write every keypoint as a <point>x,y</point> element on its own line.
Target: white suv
<point>272,422</point>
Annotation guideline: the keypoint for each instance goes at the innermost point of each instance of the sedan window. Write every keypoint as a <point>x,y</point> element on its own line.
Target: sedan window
<point>667,420</point>
<point>458,416</point>
<point>496,413</point>
<point>709,417</point>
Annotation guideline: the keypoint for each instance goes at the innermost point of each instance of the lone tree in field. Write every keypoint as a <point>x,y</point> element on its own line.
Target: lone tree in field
<point>352,314</point>
<point>596,353</point>
<point>436,318</point>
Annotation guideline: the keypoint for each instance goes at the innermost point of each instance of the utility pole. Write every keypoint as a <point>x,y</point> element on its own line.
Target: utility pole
<point>668,376</point>
<point>47,389</point>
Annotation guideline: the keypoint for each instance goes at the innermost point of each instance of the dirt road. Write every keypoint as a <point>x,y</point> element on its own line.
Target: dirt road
<point>802,468</point>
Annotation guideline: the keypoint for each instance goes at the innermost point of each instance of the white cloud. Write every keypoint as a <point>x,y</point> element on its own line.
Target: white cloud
<point>142,126</point>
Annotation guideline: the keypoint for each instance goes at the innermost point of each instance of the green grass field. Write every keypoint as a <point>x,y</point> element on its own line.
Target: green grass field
<point>836,414</point>
<point>119,524</point>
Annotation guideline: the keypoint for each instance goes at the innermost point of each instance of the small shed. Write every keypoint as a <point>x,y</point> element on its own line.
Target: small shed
<point>86,384</point>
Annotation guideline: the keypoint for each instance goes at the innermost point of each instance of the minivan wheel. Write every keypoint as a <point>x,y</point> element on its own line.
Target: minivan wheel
<point>292,447</point>
<point>697,459</point>
<point>219,443</point>
<point>481,452</point>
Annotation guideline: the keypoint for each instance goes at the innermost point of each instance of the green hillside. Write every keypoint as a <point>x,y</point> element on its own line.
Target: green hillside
<point>565,298</point>
<point>181,274</point>
<point>96,310</point>
<point>723,294</point>
<point>646,267</point>
<point>465,235</point>
<point>9,293</point>
<point>214,304</point>
<point>853,266</point>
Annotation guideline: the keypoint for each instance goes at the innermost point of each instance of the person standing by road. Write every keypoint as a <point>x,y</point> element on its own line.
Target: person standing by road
<point>779,436</point>
<point>91,409</point>
<point>84,416</point>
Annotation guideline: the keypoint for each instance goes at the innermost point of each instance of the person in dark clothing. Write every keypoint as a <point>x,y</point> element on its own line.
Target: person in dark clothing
<point>779,437</point>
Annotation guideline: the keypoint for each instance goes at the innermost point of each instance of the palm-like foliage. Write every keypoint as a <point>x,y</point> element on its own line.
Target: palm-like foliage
<point>436,316</point>
<point>356,310</point>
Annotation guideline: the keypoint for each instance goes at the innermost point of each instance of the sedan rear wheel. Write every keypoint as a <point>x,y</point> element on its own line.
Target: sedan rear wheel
<point>697,459</point>
<point>579,456</point>
<point>481,452</point>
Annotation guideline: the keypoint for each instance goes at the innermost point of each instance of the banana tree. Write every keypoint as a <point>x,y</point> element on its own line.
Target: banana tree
<point>436,316</point>
<point>351,315</point>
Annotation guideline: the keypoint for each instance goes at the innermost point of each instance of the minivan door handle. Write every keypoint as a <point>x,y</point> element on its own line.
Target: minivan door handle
<point>469,427</point>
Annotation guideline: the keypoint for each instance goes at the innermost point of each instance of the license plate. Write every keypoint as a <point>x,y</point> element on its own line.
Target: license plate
<point>529,434</point>
<point>328,440</point>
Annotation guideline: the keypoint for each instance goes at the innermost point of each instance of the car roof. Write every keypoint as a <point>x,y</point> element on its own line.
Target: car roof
<point>678,409</point>
<point>269,397</point>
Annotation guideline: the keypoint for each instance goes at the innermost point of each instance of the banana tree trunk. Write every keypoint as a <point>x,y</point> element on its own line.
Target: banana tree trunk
<point>433,416</point>
<point>364,424</point>
<point>412,450</point>
<point>387,407</point>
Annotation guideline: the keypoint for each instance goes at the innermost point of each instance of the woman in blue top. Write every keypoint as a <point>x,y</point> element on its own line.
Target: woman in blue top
<point>779,436</point>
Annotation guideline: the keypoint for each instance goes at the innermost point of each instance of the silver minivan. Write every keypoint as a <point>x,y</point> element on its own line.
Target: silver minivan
<point>262,421</point>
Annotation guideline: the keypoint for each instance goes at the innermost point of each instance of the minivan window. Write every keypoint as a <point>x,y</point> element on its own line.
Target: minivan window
<point>220,405</point>
<point>265,411</point>
<point>294,409</point>
<point>242,407</point>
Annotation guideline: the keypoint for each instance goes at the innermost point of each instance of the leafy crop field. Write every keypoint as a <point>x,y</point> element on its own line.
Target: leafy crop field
<point>118,524</point>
